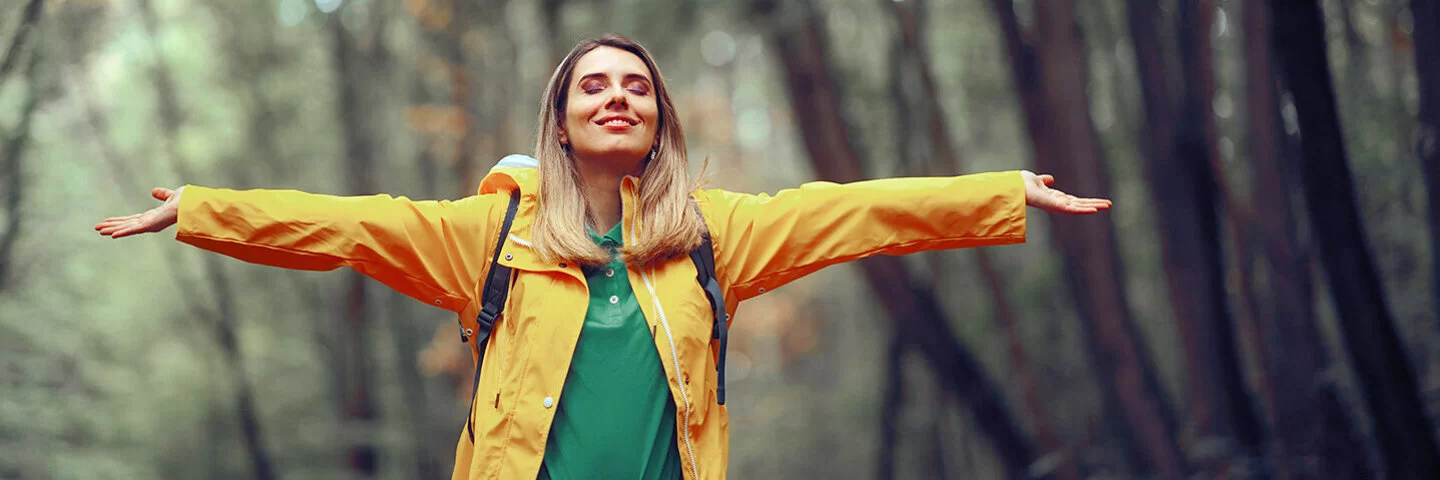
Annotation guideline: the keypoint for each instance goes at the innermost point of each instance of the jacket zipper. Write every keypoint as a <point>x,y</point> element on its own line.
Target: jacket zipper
<point>674,357</point>
<point>493,343</point>
<point>499,357</point>
<point>474,395</point>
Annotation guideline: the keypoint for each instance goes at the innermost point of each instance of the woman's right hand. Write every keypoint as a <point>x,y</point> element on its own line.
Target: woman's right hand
<point>152,220</point>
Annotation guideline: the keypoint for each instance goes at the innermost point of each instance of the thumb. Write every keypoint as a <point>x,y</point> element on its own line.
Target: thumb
<point>161,194</point>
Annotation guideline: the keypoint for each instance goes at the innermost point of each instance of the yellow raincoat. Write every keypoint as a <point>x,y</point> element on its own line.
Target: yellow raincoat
<point>439,252</point>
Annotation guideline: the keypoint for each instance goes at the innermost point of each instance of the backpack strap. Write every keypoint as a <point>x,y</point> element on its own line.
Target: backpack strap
<point>704,258</point>
<point>497,288</point>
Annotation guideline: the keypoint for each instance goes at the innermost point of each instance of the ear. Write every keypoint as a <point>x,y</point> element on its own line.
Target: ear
<point>564,139</point>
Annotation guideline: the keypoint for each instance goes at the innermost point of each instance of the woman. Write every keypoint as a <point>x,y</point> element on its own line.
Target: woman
<point>602,366</point>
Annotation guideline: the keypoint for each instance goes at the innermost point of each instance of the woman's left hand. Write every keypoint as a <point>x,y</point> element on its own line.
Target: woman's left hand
<point>1038,194</point>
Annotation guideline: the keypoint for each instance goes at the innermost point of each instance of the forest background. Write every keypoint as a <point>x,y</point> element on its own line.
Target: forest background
<point>1260,303</point>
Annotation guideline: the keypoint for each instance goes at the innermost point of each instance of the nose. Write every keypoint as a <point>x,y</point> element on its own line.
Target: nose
<point>617,99</point>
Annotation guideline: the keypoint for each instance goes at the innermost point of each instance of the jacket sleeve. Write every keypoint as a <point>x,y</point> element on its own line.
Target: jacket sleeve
<point>433,251</point>
<point>762,241</point>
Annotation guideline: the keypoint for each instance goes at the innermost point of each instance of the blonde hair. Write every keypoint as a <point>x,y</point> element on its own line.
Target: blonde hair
<point>668,223</point>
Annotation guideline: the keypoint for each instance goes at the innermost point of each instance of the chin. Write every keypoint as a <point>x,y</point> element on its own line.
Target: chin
<point>624,154</point>
<point>628,149</point>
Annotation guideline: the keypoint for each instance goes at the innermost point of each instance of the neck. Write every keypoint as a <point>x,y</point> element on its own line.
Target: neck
<point>600,183</point>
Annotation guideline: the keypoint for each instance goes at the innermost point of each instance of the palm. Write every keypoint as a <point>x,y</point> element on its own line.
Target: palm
<point>152,220</point>
<point>1038,194</point>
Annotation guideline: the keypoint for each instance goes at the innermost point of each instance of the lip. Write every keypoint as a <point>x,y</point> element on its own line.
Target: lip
<point>623,123</point>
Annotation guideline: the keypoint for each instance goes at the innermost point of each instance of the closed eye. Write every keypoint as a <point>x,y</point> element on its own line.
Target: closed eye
<point>638,85</point>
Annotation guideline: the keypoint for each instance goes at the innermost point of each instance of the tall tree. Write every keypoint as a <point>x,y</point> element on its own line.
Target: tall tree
<point>931,150</point>
<point>1048,69</point>
<point>436,120</point>
<point>465,116</point>
<point>225,316</point>
<point>1404,432</point>
<point>1313,435</point>
<point>12,150</point>
<point>1426,15</point>
<point>1178,140</point>
<point>254,56</point>
<point>815,98</point>
<point>355,68</point>
<point>892,401</point>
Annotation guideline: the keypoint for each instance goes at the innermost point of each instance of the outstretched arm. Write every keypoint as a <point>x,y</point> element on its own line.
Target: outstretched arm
<point>432,251</point>
<point>762,241</point>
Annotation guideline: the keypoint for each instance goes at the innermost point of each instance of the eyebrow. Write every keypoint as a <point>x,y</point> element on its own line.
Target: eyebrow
<point>628,76</point>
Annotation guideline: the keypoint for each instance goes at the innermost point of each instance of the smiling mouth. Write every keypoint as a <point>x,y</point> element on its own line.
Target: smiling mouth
<point>616,122</point>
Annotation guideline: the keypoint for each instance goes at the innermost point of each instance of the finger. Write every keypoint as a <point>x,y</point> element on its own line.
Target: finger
<point>112,223</point>
<point>114,220</point>
<point>126,224</point>
<point>128,231</point>
<point>1094,202</point>
<point>1087,202</point>
<point>161,194</point>
<point>117,227</point>
<point>1080,209</point>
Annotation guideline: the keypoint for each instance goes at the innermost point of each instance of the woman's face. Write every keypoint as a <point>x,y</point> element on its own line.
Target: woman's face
<point>610,112</point>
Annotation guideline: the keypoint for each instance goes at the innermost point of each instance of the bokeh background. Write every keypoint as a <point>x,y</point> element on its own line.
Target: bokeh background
<point>1260,303</point>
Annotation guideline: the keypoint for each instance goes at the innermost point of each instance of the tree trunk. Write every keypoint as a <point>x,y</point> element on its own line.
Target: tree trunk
<point>13,171</point>
<point>460,96</point>
<point>226,318</point>
<point>358,412</point>
<point>1179,144</point>
<point>440,42</point>
<point>1357,58</point>
<point>937,443</point>
<point>1196,150</point>
<point>1050,80</point>
<point>406,342</point>
<point>555,47</point>
<point>890,405</point>
<point>1426,15</point>
<point>255,56</point>
<point>29,19</point>
<point>923,107</point>
<point>12,151</point>
<point>1405,434</point>
<point>250,428</point>
<point>1312,437</point>
<point>917,316</point>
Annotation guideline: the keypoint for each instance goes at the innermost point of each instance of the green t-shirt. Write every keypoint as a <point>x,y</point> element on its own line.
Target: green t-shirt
<point>616,419</point>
